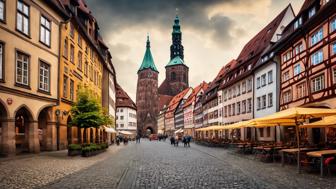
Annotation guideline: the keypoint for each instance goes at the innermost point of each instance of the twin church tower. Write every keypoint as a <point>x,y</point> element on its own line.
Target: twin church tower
<point>149,96</point>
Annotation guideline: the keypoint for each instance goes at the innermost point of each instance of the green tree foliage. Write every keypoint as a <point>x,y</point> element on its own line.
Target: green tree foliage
<point>87,112</point>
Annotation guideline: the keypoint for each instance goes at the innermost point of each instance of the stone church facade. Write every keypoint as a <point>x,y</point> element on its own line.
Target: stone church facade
<point>150,98</point>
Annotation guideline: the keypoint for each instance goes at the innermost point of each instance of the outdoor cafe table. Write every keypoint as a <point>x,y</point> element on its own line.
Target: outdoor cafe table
<point>292,151</point>
<point>321,154</point>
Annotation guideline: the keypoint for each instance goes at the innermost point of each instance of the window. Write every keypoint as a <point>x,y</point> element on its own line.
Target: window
<point>312,12</point>
<point>1,61</point>
<point>122,117</point>
<point>317,57</point>
<point>263,80</point>
<point>317,37</point>
<point>230,94</point>
<point>334,48</point>
<point>238,108</point>
<point>270,99</point>
<point>261,132</point>
<point>80,65</point>
<point>333,77</point>
<point>44,76</point>
<point>79,40</point>
<point>244,87</point>
<point>249,85</point>
<point>298,23</point>
<point>263,101</point>
<point>173,76</point>
<point>22,68</point>
<point>72,53</point>
<point>86,65</point>
<point>301,90</point>
<point>258,82</point>
<point>298,49</point>
<point>318,83</point>
<point>72,88</point>
<point>2,10</point>
<point>297,69</point>
<point>286,96</point>
<point>249,105</point>
<point>65,48</point>
<point>270,76</point>
<point>65,86</point>
<point>285,76</point>
<point>333,25</point>
<point>45,31</point>
<point>225,111</point>
<point>72,31</point>
<point>22,17</point>
<point>287,56</point>
<point>91,72</point>
<point>258,103</point>
<point>233,109</point>
<point>243,109</point>
<point>122,125</point>
<point>225,96</point>
<point>238,89</point>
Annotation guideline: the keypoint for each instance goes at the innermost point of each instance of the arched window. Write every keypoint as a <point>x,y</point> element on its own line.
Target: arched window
<point>184,78</point>
<point>173,76</point>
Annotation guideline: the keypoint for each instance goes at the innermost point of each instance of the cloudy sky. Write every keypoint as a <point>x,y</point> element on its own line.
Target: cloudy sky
<point>213,32</point>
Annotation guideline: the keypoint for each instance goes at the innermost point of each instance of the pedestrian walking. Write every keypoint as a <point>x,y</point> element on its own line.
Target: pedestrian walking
<point>188,140</point>
<point>184,140</point>
<point>176,141</point>
<point>138,138</point>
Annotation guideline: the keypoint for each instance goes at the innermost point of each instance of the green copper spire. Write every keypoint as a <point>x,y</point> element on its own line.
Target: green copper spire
<point>175,61</point>
<point>147,61</point>
<point>176,26</point>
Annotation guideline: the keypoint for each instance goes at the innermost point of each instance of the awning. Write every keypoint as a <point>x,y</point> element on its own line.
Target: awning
<point>179,131</point>
<point>126,133</point>
<point>110,130</point>
<point>329,121</point>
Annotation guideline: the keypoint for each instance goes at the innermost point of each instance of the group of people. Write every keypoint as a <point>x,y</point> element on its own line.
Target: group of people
<point>174,140</point>
<point>162,137</point>
<point>123,139</point>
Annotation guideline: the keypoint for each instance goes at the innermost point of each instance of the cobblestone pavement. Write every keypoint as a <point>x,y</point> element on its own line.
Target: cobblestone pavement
<point>154,165</point>
<point>31,171</point>
<point>160,165</point>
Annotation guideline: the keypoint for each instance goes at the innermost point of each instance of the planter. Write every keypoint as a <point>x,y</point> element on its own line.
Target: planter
<point>92,153</point>
<point>74,152</point>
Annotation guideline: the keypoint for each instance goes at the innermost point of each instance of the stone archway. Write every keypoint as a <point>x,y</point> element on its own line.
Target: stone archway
<point>149,131</point>
<point>43,119</point>
<point>3,121</point>
<point>26,132</point>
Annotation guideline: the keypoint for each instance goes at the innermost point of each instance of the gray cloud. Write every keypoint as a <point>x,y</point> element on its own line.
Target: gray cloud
<point>117,15</point>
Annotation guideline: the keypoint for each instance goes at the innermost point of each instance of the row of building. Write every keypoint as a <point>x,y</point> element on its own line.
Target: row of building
<point>289,63</point>
<point>48,50</point>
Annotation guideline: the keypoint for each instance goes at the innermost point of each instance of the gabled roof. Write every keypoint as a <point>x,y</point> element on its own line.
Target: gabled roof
<point>193,95</point>
<point>148,62</point>
<point>260,41</point>
<point>175,61</point>
<point>164,88</point>
<point>123,100</point>
<point>164,101</point>
<point>306,5</point>
<point>175,102</point>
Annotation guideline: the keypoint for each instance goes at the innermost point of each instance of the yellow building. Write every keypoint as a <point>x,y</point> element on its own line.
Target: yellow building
<point>82,60</point>
<point>29,67</point>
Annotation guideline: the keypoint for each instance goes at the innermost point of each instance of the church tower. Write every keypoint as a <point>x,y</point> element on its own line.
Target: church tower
<point>147,94</point>
<point>177,73</point>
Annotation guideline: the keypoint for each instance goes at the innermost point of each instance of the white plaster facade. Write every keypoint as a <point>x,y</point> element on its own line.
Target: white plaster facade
<point>126,119</point>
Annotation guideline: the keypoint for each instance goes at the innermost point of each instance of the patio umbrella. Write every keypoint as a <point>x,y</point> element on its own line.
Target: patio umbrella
<point>329,121</point>
<point>298,115</point>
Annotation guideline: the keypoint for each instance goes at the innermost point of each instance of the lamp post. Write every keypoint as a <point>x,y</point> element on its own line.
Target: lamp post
<point>57,112</point>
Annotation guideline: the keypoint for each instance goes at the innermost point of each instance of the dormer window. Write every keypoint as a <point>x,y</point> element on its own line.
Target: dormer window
<point>298,23</point>
<point>312,12</point>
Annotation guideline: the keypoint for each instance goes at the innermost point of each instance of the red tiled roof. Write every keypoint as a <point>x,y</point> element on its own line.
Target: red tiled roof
<point>164,101</point>
<point>306,4</point>
<point>123,100</point>
<point>260,41</point>
<point>175,102</point>
<point>192,97</point>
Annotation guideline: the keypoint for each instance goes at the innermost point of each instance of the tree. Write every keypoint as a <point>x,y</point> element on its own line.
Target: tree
<point>87,112</point>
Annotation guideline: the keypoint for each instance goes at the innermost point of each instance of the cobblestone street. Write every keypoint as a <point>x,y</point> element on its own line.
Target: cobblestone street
<point>153,165</point>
